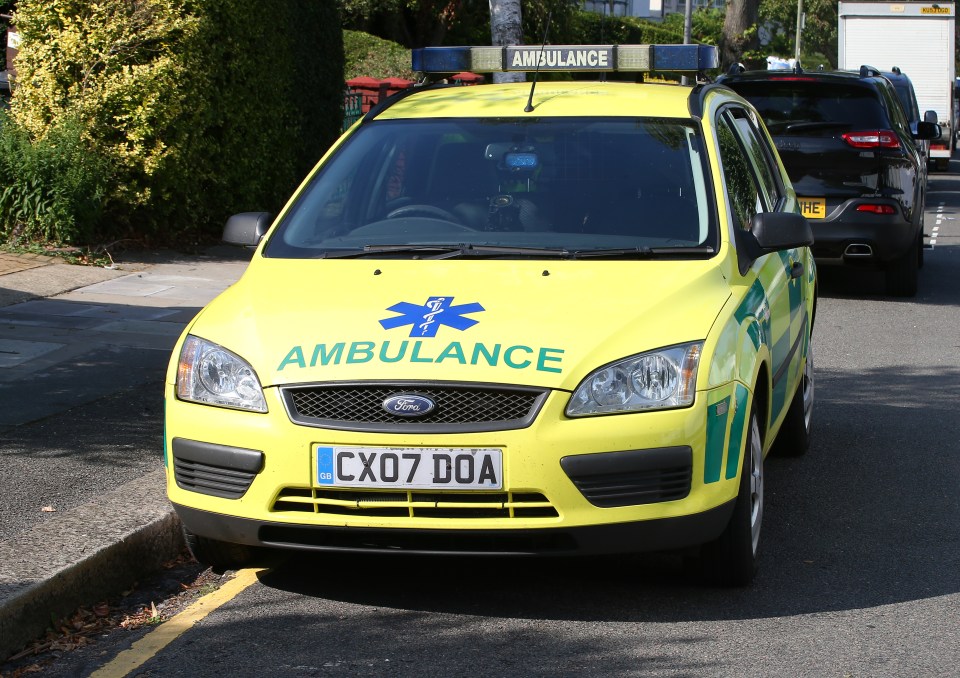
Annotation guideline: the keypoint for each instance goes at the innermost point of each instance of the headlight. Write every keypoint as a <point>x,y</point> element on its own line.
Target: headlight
<point>211,374</point>
<point>656,380</point>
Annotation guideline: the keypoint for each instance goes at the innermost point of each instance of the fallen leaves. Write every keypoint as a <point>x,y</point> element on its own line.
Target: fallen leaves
<point>87,624</point>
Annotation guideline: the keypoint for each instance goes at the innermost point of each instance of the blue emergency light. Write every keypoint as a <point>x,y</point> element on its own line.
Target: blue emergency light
<point>528,58</point>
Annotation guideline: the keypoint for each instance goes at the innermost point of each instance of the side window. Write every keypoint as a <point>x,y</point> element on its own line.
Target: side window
<point>758,153</point>
<point>742,185</point>
<point>896,112</point>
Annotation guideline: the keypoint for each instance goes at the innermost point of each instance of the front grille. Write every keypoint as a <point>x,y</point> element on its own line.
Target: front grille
<point>217,481</point>
<point>459,408</point>
<point>410,504</point>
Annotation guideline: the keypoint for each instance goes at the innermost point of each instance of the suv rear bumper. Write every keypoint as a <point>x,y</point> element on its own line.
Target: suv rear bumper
<point>856,238</point>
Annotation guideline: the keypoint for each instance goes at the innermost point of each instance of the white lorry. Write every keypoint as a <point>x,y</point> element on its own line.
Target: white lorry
<point>917,37</point>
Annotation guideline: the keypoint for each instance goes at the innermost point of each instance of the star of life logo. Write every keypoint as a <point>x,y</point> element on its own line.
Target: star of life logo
<point>425,320</point>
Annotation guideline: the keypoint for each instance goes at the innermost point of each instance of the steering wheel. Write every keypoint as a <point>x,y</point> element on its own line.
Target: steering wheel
<point>423,210</point>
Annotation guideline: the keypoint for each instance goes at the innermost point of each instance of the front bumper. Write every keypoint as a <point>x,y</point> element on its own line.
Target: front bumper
<point>635,537</point>
<point>622,483</point>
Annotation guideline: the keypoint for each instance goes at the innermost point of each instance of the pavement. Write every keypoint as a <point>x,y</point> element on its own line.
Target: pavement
<point>83,510</point>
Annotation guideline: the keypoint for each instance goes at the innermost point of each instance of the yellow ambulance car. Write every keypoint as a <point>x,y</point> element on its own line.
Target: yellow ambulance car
<point>527,319</point>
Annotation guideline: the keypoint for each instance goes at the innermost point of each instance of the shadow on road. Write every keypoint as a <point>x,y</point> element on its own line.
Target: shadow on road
<point>864,519</point>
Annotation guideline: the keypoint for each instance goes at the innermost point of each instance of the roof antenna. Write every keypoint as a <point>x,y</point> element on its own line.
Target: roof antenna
<point>529,107</point>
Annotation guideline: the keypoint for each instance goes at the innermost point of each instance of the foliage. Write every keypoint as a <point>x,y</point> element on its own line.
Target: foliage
<point>368,55</point>
<point>778,35</point>
<point>593,28</point>
<point>412,23</point>
<point>54,190</point>
<point>706,25</point>
<point>201,107</point>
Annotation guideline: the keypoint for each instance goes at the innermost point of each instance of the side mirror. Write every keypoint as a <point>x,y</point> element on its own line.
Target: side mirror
<point>247,228</point>
<point>928,130</point>
<point>930,116</point>
<point>775,231</point>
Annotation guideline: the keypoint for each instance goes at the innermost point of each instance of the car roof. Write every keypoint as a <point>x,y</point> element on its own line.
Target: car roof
<point>866,74</point>
<point>897,76</point>
<point>554,99</point>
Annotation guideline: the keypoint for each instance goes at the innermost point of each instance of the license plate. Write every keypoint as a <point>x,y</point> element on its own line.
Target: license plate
<point>813,208</point>
<point>414,468</point>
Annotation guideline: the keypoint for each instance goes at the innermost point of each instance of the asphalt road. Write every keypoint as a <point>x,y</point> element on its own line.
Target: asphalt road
<point>860,572</point>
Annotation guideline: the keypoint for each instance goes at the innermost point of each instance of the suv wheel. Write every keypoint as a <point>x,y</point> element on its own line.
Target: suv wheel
<point>901,274</point>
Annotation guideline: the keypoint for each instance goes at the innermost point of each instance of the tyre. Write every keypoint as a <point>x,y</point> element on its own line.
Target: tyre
<point>942,164</point>
<point>219,555</point>
<point>901,274</point>
<point>731,560</point>
<point>793,440</point>
<point>920,247</point>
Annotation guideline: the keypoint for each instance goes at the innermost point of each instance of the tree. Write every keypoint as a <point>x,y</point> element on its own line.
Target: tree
<point>739,31</point>
<point>506,28</point>
<point>819,38</point>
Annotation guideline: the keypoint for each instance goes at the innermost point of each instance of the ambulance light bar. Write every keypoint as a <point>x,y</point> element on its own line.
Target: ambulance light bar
<point>634,58</point>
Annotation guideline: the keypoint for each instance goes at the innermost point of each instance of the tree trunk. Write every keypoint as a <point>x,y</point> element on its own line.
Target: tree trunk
<point>506,29</point>
<point>741,16</point>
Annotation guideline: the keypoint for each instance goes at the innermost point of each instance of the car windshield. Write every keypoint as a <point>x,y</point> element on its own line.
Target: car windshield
<point>811,107</point>
<point>507,187</point>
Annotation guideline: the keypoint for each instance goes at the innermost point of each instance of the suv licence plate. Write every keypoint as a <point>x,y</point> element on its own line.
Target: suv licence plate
<point>409,467</point>
<point>813,208</point>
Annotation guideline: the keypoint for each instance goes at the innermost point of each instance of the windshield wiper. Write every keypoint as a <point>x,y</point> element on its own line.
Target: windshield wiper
<point>642,252</point>
<point>448,251</point>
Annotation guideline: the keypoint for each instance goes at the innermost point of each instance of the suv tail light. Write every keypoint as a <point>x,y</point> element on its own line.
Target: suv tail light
<point>874,138</point>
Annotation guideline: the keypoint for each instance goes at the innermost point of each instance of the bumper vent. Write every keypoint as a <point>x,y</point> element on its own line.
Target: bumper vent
<point>216,470</point>
<point>462,505</point>
<point>460,408</point>
<point>633,477</point>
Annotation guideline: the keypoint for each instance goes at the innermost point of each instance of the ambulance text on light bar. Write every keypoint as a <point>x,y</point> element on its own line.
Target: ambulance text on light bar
<point>635,58</point>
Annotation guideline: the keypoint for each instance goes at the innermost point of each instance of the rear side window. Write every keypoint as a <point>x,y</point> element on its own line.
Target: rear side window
<point>808,107</point>
<point>908,101</point>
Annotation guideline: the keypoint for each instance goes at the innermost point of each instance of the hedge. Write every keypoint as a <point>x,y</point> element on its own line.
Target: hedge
<point>199,108</point>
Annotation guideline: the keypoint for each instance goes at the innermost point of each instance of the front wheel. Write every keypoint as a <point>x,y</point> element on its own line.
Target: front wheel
<point>731,560</point>
<point>219,555</point>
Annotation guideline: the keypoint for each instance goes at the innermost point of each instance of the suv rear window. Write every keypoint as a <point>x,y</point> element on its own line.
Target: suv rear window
<point>807,107</point>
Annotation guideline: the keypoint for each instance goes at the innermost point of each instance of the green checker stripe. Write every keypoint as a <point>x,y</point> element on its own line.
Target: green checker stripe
<point>716,435</point>
<point>736,431</point>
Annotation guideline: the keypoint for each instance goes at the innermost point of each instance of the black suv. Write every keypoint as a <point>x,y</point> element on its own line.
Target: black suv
<point>854,161</point>
<point>908,99</point>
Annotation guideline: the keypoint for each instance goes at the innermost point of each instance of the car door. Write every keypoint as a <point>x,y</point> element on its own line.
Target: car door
<point>754,181</point>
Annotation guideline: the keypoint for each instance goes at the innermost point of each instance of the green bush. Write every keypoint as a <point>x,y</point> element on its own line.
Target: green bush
<point>370,56</point>
<point>54,190</point>
<point>588,28</point>
<point>201,107</point>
